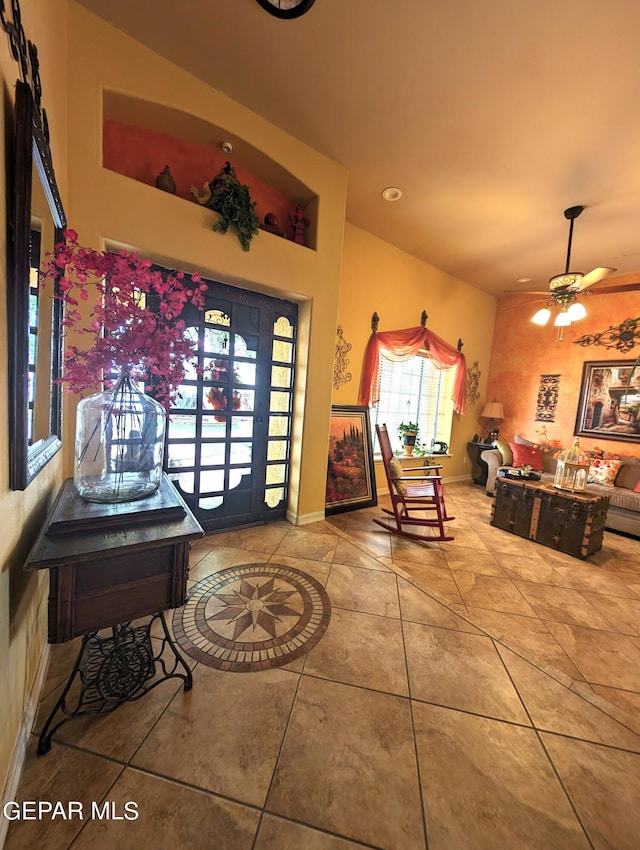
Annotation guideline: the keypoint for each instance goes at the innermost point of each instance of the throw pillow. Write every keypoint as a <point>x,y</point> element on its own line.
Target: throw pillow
<point>505,452</point>
<point>396,470</point>
<point>522,441</point>
<point>629,474</point>
<point>636,489</point>
<point>604,472</point>
<point>526,456</point>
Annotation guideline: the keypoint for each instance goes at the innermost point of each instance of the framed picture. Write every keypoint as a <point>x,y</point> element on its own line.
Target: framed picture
<point>351,482</point>
<point>609,406</point>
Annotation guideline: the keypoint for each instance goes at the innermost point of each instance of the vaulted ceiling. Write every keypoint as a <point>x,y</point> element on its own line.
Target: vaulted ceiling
<point>492,117</point>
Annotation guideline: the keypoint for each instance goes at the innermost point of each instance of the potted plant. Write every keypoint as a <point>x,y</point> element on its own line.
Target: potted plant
<point>232,201</point>
<point>409,432</point>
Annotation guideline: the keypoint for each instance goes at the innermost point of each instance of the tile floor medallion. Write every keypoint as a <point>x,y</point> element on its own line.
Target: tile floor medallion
<point>252,617</point>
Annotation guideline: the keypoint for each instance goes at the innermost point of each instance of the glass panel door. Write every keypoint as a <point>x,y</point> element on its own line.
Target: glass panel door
<point>228,437</point>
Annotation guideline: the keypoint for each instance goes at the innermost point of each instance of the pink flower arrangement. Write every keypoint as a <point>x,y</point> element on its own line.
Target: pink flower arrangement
<point>124,331</point>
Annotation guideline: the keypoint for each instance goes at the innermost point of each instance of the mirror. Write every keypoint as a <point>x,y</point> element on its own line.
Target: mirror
<point>34,316</point>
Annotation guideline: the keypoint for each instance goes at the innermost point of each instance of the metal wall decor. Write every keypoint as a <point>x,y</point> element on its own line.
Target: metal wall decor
<point>25,54</point>
<point>547,400</point>
<point>340,363</point>
<point>623,337</point>
<point>473,381</point>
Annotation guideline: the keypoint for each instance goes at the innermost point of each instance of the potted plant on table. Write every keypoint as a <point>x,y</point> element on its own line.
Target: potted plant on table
<point>409,433</point>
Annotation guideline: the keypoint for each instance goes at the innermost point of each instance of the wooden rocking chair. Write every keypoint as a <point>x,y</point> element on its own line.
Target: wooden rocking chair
<point>412,493</point>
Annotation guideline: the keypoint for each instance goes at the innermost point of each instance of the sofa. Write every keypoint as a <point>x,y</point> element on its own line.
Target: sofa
<point>624,493</point>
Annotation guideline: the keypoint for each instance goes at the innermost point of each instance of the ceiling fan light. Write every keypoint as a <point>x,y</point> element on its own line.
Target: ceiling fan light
<point>568,280</point>
<point>576,311</point>
<point>562,320</point>
<point>542,316</point>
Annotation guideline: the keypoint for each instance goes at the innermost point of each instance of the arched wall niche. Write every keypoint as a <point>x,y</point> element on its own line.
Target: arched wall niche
<point>140,138</point>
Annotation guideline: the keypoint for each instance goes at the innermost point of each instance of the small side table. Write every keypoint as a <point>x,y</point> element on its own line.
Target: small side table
<point>109,567</point>
<point>479,469</point>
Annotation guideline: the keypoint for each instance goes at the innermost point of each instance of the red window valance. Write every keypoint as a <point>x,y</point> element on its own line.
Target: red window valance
<point>403,345</point>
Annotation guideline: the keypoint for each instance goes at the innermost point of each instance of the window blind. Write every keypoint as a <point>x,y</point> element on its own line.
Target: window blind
<point>415,391</point>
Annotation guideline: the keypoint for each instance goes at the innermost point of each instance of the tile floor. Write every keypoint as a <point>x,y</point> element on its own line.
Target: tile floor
<point>482,693</point>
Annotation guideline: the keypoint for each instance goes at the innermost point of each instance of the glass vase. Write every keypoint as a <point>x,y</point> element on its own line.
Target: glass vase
<point>119,444</point>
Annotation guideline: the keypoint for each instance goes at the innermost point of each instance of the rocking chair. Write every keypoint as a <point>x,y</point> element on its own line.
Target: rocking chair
<point>412,493</point>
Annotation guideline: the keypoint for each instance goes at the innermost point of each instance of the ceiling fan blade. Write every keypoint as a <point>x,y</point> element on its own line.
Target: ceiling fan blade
<point>511,305</point>
<point>623,287</point>
<point>594,276</point>
<point>525,292</point>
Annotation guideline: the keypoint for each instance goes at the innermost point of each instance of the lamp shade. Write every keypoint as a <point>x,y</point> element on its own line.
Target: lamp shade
<point>542,316</point>
<point>576,311</point>
<point>493,410</point>
<point>562,320</point>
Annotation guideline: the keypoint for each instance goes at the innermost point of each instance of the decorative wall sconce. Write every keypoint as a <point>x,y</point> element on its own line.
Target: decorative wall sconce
<point>473,380</point>
<point>340,363</point>
<point>622,337</point>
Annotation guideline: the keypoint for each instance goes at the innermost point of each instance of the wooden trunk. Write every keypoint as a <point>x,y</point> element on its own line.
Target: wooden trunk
<point>570,522</point>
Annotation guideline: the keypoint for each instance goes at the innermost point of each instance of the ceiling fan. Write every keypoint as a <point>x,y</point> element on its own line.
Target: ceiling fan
<point>566,286</point>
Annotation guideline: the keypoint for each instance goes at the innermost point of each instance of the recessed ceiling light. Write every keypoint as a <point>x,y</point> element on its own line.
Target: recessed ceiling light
<point>523,280</point>
<point>392,193</point>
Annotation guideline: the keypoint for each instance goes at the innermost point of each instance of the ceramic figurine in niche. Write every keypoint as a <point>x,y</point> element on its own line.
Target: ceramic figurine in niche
<point>272,224</point>
<point>298,224</point>
<point>165,181</point>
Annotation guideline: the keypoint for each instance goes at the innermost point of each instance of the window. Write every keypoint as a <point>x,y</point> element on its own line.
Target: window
<point>415,391</point>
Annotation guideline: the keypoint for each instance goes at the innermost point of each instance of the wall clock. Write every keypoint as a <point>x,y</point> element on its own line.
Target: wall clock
<point>286,9</point>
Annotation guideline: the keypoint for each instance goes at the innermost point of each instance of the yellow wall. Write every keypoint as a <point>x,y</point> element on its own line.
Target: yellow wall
<point>523,351</point>
<point>178,233</point>
<point>23,597</point>
<point>377,277</point>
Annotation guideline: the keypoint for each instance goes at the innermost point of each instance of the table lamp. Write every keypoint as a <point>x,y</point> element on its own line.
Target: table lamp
<point>492,411</point>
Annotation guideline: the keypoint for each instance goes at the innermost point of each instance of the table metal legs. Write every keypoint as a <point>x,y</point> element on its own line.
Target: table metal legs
<point>116,666</point>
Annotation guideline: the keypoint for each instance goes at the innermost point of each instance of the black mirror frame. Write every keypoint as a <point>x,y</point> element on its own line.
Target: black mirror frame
<point>31,154</point>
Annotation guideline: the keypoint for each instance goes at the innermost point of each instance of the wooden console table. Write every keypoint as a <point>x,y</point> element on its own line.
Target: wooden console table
<point>108,566</point>
<point>570,522</point>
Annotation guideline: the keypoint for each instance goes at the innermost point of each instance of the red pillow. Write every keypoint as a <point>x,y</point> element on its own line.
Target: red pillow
<point>526,455</point>
<point>636,489</point>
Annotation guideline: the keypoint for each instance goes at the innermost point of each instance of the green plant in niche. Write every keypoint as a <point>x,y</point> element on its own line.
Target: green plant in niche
<point>231,199</point>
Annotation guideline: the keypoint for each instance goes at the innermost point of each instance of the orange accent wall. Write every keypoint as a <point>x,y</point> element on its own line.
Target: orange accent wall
<point>141,154</point>
<point>523,351</point>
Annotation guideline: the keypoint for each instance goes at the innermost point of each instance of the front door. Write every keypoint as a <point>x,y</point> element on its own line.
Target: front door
<point>228,437</point>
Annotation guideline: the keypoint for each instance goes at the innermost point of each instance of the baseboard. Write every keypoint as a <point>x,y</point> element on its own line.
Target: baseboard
<point>305,519</point>
<point>22,741</point>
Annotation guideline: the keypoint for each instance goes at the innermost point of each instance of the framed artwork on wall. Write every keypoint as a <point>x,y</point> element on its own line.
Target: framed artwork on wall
<point>351,482</point>
<point>609,405</point>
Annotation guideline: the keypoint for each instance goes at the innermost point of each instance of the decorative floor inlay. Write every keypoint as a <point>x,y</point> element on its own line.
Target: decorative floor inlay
<point>252,617</point>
